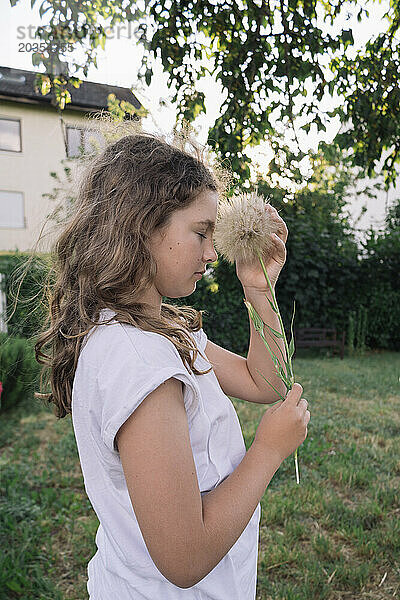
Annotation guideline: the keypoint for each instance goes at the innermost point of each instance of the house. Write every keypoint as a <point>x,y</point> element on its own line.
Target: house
<point>33,142</point>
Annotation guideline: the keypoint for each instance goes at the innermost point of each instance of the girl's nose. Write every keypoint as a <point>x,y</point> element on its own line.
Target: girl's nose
<point>211,255</point>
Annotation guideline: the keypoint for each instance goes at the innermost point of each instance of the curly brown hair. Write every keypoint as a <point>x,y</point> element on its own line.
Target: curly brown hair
<point>102,257</point>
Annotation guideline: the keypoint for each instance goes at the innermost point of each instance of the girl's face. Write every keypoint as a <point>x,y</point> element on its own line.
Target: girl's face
<point>184,249</point>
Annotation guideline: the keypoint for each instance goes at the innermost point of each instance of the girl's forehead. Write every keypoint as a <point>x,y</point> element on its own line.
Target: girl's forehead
<point>202,211</point>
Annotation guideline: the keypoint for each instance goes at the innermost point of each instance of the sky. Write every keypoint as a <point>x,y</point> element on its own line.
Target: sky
<point>119,63</point>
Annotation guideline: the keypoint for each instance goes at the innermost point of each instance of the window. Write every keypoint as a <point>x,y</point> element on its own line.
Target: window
<point>12,213</point>
<point>84,139</point>
<point>10,135</point>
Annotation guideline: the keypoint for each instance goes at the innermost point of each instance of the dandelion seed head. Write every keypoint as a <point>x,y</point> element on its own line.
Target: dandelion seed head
<point>243,227</point>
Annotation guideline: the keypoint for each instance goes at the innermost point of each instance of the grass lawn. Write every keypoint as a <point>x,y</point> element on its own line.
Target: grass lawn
<point>334,536</point>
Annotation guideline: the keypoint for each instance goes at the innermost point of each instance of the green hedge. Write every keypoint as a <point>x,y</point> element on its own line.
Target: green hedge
<point>328,279</point>
<point>29,312</point>
<point>19,371</point>
<point>325,273</point>
<point>378,285</point>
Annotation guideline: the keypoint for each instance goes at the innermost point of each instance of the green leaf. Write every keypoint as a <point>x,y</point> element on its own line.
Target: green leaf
<point>43,10</point>
<point>255,317</point>
<point>148,75</point>
<point>291,348</point>
<point>36,59</point>
<point>306,127</point>
<point>347,37</point>
<point>272,306</point>
<point>275,360</point>
<point>277,334</point>
<point>270,384</point>
<point>14,586</point>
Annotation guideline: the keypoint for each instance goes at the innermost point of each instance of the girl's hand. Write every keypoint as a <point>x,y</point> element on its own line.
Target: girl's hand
<point>251,275</point>
<point>283,427</point>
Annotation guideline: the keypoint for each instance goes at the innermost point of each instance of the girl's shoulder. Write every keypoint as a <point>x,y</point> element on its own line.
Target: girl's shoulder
<point>114,338</point>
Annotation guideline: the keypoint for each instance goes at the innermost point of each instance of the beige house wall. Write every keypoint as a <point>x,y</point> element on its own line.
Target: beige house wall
<point>29,171</point>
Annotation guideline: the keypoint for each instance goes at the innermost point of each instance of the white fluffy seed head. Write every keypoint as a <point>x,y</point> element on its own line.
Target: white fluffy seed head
<point>243,227</point>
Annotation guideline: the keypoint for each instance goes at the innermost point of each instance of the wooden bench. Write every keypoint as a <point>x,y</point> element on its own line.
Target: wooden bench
<point>312,337</point>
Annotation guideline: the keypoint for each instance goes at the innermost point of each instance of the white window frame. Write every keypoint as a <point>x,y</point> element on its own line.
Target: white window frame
<point>5,118</point>
<point>82,132</point>
<point>23,210</point>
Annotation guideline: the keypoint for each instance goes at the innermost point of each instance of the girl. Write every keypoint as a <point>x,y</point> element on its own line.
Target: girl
<point>160,445</point>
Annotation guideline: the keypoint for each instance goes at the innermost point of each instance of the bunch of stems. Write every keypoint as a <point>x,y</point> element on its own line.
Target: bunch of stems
<point>285,373</point>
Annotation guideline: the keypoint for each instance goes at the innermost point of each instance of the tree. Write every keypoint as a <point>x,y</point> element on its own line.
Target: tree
<point>392,219</point>
<point>370,85</point>
<point>72,24</point>
<point>267,54</point>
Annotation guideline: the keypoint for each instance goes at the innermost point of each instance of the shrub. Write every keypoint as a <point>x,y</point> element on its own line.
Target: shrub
<point>29,313</point>
<point>19,371</point>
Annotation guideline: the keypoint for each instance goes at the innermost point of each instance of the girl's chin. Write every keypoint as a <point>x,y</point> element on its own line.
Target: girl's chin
<point>182,293</point>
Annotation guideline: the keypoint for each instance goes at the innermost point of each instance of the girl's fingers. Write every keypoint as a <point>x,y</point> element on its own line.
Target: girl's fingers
<point>303,404</point>
<point>275,406</point>
<point>275,215</point>
<point>294,395</point>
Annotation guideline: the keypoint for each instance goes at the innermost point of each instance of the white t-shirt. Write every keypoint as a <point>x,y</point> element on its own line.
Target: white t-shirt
<point>119,365</point>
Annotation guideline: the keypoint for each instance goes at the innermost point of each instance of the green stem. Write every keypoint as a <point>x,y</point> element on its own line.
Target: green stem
<point>291,374</point>
<point>278,313</point>
<point>279,348</point>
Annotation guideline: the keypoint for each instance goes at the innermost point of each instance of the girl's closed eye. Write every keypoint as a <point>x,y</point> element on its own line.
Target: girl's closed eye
<point>202,235</point>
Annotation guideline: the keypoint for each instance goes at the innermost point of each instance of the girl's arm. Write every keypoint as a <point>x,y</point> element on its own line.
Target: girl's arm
<point>187,535</point>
